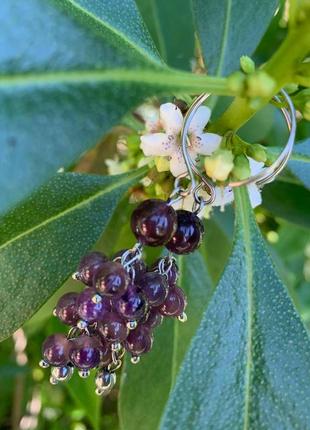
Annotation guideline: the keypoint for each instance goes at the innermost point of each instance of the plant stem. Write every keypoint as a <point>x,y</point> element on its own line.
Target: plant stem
<point>281,67</point>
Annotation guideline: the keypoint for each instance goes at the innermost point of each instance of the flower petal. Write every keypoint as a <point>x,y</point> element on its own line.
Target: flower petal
<point>160,144</point>
<point>255,166</point>
<point>255,195</point>
<point>223,196</point>
<point>200,120</point>
<point>186,203</point>
<point>177,163</point>
<point>205,143</point>
<point>171,118</point>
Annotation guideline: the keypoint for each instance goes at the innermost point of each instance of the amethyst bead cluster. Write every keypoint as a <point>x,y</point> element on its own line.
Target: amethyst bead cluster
<point>123,300</point>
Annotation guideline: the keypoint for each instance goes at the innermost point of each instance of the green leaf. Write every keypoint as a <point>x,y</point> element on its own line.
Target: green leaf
<point>145,388</point>
<point>172,31</point>
<point>249,364</point>
<point>288,201</point>
<point>300,162</point>
<point>229,29</point>
<point>42,239</point>
<point>69,70</point>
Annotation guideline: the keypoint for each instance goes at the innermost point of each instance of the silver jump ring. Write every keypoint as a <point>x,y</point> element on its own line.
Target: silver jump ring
<point>266,175</point>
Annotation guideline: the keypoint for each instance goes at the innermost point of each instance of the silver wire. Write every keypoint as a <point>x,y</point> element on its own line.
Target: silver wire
<point>266,175</point>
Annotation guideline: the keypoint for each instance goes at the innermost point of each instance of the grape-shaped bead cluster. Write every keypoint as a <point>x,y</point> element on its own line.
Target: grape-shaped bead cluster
<point>123,300</point>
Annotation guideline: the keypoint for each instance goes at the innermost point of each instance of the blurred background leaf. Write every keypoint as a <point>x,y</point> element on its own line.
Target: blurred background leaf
<point>173,33</point>
<point>227,30</point>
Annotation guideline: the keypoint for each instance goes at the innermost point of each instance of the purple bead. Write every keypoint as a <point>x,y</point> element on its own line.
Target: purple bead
<point>113,328</point>
<point>153,222</point>
<point>89,308</point>
<point>105,352</point>
<point>174,304</point>
<point>55,350</point>
<point>85,352</point>
<point>66,309</point>
<point>132,305</point>
<point>188,234</point>
<point>155,288</point>
<point>139,341</point>
<point>138,265</point>
<point>111,280</point>
<point>152,319</point>
<point>89,265</point>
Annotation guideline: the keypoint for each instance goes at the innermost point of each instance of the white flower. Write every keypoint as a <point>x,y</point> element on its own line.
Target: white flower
<point>167,144</point>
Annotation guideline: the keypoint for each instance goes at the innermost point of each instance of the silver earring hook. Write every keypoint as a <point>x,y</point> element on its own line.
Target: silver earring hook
<point>266,175</point>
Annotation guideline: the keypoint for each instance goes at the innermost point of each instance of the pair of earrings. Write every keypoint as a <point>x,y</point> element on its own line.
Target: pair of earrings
<point>124,300</point>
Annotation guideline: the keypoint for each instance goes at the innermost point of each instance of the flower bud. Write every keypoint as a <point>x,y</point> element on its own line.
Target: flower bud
<point>219,165</point>
<point>247,64</point>
<point>241,168</point>
<point>260,84</point>
<point>162,164</point>
<point>257,152</point>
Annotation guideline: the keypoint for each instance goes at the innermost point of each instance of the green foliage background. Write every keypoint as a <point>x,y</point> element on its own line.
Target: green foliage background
<point>70,70</point>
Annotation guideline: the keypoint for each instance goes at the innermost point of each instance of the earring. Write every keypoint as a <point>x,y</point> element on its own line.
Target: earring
<point>123,300</point>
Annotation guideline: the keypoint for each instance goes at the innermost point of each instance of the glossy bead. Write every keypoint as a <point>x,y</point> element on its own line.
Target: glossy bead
<point>174,304</point>
<point>153,222</point>
<point>85,352</point>
<point>89,308</point>
<point>155,288</point>
<point>89,265</point>
<point>132,305</point>
<point>55,350</point>
<point>152,319</point>
<point>139,341</point>
<point>66,309</point>
<point>111,280</point>
<point>188,234</point>
<point>113,328</point>
<point>105,352</point>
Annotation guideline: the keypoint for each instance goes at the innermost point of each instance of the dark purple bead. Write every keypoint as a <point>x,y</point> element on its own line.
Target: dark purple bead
<point>138,265</point>
<point>66,309</point>
<point>89,308</point>
<point>89,265</point>
<point>111,280</point>
<point>155,288</point>
<point>85,352</point>
<point>132,305</point>
<point>139,341</point>
<point>113,328</point>
<point>55,350</point>
<point>105,352</point>
<point>152,319</point>
<point>188,235</point>
<point>153,222</point>
<point>174,304</point>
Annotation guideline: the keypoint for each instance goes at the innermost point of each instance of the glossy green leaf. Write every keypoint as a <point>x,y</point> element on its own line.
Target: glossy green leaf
<point>288,201</point>
<point>69,70</point>
<point>229,29</point>
<point>145,388</point>
<point>42,239</point>
<point>171,26</point>
<point>249,364</point>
